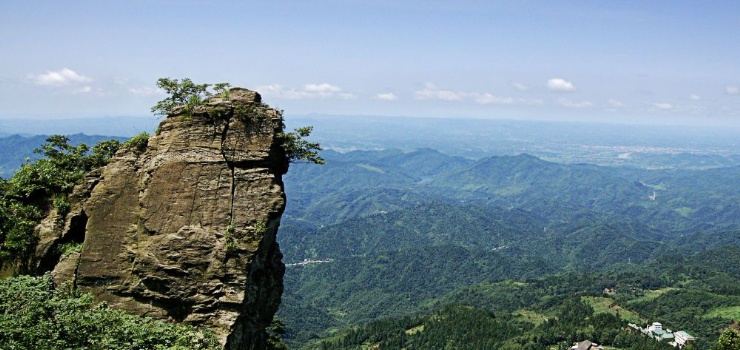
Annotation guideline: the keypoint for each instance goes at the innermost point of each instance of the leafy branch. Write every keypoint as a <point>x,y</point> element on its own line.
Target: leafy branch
<point>298,149</point>
<point>185,93</point>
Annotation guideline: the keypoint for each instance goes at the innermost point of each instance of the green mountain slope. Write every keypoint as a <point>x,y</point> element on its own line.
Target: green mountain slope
<point>558,310</point>
<point>394,241</point>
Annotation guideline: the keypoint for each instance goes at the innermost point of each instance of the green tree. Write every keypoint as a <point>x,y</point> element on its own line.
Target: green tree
<point>183,92</point>
<point>729,340</point>
<point>298,149</point>
<point>40,184</point>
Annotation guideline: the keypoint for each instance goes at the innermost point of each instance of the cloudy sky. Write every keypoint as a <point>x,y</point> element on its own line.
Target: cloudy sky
<point>612,61</point>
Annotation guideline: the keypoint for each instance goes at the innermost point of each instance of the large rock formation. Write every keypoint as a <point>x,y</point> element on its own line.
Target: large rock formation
<point>184,228</point>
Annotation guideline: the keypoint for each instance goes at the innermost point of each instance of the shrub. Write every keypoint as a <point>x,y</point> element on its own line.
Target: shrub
<point>39,185</point>
<point>137,143</point>
<point>33,315</point>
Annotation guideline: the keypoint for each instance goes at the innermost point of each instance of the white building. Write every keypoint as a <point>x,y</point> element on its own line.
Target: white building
<point>656,326</point>
<point>682,338</point>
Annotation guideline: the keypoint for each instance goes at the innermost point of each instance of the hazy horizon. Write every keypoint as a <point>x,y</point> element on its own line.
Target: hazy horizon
<point>127,126</point>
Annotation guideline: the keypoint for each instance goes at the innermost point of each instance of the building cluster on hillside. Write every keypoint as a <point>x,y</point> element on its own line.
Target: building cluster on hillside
<point>656,331</point>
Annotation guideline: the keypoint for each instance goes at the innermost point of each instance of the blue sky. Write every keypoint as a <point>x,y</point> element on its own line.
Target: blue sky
<point>661,62</point>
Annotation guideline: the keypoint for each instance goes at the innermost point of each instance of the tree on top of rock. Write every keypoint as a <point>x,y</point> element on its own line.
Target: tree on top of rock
<point>186,93</point>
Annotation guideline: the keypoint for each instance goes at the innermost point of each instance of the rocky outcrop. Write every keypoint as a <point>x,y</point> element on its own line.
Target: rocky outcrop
<point>184,228</point>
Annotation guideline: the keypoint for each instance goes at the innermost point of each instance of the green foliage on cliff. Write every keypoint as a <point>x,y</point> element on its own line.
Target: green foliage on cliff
<point>40,185</point>
<point>298,149</point>
<point>34,315</point>
<point>180,93</point>
<point>62,167</point>
<point>45,184</point>
<point>137,143</point>
<point>16,150</point>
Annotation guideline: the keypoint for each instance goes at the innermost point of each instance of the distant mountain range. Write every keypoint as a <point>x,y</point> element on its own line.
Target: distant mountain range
<point>562,142</point>
<point>363,183</point>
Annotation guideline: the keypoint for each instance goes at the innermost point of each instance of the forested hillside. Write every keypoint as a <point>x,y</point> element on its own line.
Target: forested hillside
<point>369,238</point>
<point>561,309</point>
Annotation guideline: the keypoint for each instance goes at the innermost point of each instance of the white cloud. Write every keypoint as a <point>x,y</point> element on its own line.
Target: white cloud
<point>695,97</point>
<point>560,85</point>
<point>431,92</point>
<point>521,87</point>
<point>386,96</point>
<point>535,102</point>
<point>321,88</point>
<point>488,98</point>
<point>667,107</point>
<point>270,89</point>
<point>309,91</point>
<point>146,91</point>
<point>64,78</point>
<point>615,103</point>
<point>60,78</point>
<point>120,81</point>
<point>732,90</point>
<point>574,104</point>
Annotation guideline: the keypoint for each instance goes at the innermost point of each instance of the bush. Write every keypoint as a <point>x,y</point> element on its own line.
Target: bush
<point>137,143</point>
<point>33,315</point>
<point>39,185</point>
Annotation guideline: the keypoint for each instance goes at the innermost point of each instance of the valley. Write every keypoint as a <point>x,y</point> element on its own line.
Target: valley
<point>410,232</point>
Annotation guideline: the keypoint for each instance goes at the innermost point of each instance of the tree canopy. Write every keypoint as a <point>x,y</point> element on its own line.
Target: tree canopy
<point>184,92</point>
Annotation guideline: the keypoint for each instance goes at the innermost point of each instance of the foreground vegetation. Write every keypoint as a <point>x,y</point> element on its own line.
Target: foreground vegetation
<point>35,315</point>
<point>42,185</point>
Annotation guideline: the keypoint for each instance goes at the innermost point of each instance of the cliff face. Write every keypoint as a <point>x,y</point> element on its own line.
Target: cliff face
<point>184,229</point>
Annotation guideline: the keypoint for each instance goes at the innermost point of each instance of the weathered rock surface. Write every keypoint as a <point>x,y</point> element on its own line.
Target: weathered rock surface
<point>184,230</point>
